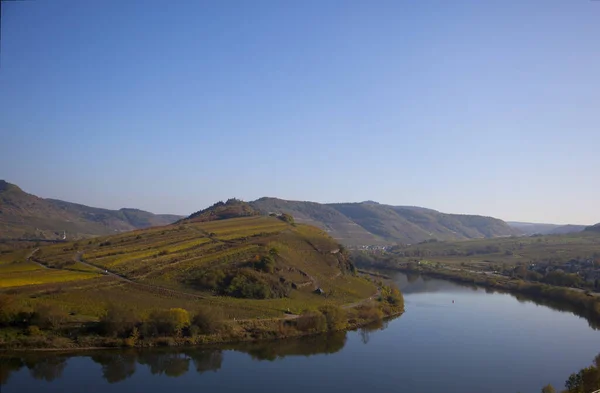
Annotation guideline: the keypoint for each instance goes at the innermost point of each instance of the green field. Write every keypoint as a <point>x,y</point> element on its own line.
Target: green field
<point>482,253</point>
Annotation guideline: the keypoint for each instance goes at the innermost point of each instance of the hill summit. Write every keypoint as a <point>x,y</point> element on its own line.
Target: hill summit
<point>593,228</point>
<point>232,208</point>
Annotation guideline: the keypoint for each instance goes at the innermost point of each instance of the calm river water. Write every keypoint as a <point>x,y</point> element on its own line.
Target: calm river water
<point>481,342</point>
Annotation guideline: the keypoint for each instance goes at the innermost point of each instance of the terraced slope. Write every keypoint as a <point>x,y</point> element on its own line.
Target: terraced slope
<point>256,266</point>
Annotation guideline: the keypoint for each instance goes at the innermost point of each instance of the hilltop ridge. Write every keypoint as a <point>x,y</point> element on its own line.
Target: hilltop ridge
<point>26,216</point>
<point>232,208</point>
<point>374,223</point>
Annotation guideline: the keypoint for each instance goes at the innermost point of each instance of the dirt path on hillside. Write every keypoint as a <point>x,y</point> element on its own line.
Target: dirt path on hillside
<point>77,258</point>
<point>30,259</point>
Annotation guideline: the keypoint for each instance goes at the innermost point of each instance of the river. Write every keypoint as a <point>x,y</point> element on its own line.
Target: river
<point>451,339</point>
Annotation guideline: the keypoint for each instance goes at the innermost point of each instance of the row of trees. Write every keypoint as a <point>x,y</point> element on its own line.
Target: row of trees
<point>555,277</point>
<point>175,322</point>
<point>117,322</point>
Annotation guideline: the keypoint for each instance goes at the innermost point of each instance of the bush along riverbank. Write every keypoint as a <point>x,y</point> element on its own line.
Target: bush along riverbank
<point>581,303</point>
<point>45,326</point>
<point>585,381</point>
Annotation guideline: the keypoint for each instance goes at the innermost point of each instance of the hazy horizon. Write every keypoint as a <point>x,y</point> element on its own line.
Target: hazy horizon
<point>463,107</point>
<point>291,199</point>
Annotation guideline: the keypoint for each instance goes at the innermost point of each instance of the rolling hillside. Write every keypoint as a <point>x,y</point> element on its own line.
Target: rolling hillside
<point>255,266</point>
<point>26,216</point>
<point>593,228</point>
<point>528,228</point>
<point>371,223</point>
<point>196,281</point>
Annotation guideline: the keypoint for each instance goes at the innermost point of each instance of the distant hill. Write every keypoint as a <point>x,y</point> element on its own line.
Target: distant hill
<point>233,208</point>
<point>26,216</point>
<point>373,223</point>
<point>528,228</point>
<point>593,228</point>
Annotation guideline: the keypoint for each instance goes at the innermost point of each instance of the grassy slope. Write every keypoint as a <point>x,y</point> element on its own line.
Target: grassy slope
<point>23,214</point>
<point>373,223</point>
<point>511,250</point>
<point>161,261</point>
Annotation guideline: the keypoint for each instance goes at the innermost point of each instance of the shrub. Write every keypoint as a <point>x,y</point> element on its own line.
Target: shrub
<point>313,321</point>
<point>118,321</point>
<point>392,296</point>
<point>248,286</point>
<point>242,283</point>
<point>168,322</point>
<point>211,280</point>
<point>33,331</point>
<point>132,339</point>
<point>207,320</point>
<point>370,312</point>
<point>266,264</point>
<point>287,218</point>
<point>165,342</point>
<point>48,316</point>
<point>6,312</point>
<point>335,317</point>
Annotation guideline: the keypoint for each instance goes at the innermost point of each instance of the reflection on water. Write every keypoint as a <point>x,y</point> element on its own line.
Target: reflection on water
<point>413,283</point>
<point>116,366</point>
<point>484,342</point>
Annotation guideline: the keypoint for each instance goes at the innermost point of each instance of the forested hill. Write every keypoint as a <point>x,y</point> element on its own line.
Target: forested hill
<point>373,223</point>
<point>26,216</point>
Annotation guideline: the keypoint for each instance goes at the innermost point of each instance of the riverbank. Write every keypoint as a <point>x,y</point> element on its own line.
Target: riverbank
<point>578,302</point>
<point>326,319</point>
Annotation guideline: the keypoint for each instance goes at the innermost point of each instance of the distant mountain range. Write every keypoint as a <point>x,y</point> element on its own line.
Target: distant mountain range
<point>25,216</point>
<point>373,223</point>
<point>528,228</point>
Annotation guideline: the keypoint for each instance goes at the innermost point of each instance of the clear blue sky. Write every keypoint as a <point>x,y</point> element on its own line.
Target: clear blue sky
<point>484,107</point>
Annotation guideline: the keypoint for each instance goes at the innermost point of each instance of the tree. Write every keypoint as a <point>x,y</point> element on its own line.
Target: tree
<point>548,389</point>
<point>335,317</point>
<point>48,316</point>
<point>573,384</point>
<point>311,321</point>
<point>118,321</point>
<point>6,313</point>
<point>265,264</point>
<point>287,218</point>
<point>209,320</point>
<point>169,322</point>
